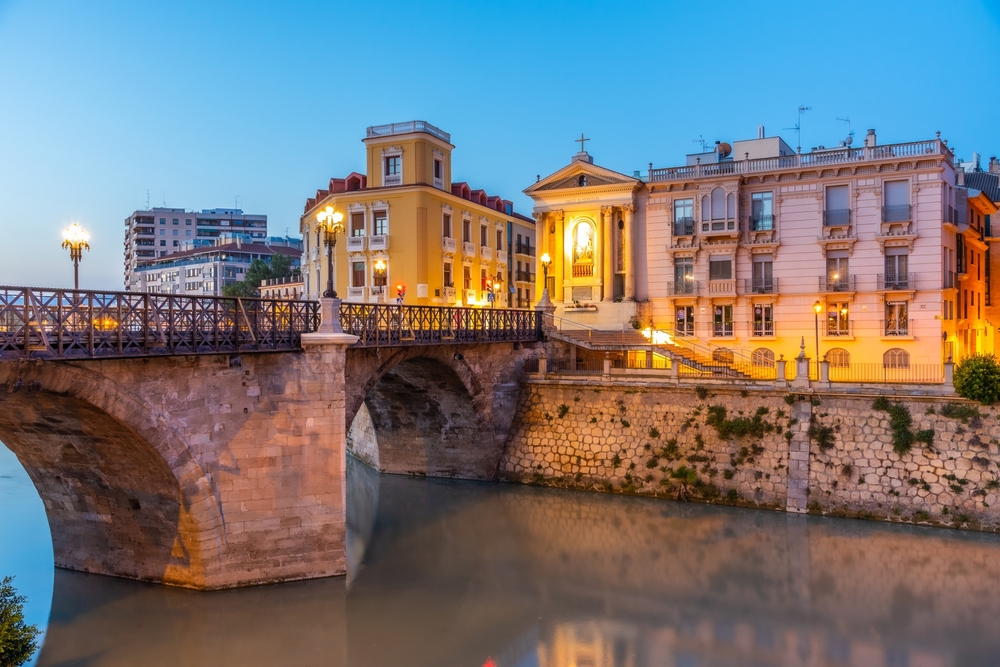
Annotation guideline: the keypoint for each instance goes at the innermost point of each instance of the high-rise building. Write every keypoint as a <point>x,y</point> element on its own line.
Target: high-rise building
<point>409,228</point>
<point>159,232</point>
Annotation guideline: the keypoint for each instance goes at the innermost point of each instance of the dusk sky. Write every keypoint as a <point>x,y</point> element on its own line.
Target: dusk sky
<point>200,103</point>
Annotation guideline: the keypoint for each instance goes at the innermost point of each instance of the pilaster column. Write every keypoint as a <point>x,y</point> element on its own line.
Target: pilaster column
<point>558,253</point>
<point>629,241</point>
<point>541,247</point>
<point>607,246</point>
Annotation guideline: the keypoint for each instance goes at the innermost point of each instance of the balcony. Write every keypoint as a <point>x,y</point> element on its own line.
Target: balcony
<point>839,329</point>
<point>760,286</point>
<point>486,253</point>
<point>469,296</point>
<point>468,249</point>
<point>583,270</point>
<point>356,243</point>
<point>895,328</point>
<point>684,227</point>
<point>722,329</point>
<point>761,223</point>
<point>722,287</point>
<point>449,294</point>
<point>683,288</point>
<point>378,242</point>
<point>392,179</point>
<point>763,328</point>
<point>837,284</point>
<point>838,217</point>
<point>356,293</point>
<point>524,249</point>
<point>524,276</point>
<point>896,213</point>
<point>719,226</point>
<point>892,282</point>
<point>448,245</point>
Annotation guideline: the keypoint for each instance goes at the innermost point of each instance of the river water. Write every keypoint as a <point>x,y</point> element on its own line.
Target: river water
<point>459,573</point>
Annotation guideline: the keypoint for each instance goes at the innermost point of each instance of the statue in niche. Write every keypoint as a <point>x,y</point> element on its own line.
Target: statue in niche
<point>583,244</point>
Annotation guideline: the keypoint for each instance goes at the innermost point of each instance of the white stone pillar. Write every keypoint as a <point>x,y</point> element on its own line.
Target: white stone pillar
<point>607,249</point>
<point>629,241</point>
<point>561,269</point>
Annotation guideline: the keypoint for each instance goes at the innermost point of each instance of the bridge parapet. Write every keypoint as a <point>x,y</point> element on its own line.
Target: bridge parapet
<point>398,326</point>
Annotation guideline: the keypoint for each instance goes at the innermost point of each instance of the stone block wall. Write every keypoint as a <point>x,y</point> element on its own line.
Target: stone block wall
<point>821,452</point>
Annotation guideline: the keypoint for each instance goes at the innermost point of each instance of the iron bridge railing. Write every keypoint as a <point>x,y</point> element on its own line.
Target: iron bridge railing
<point>378,325</point>
<point>76,324</point>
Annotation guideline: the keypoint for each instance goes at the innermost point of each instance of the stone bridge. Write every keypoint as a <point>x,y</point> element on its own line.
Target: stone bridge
<point>221,470</point>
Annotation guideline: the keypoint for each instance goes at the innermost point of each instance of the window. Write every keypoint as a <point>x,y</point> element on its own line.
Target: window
<point>718,204</point>
<point>896,267</point>
<point>187,232</point>
<point>482,279</point>
<point>446,226</point>
<point>176,221</point>
<point>163,221</point>
<point>176,244</point>
<point>683,217</point>
<point>838,358</point>
<point>763,319</point>
<point>723,321</point>
<point>837,271</point>
<point>582,181</point>
<point>392,165</point>
<point>448,282</point>
<point>176,232</point>
<point>499,240</point>
<point>720,268</point>
<point>467,231</point>
<point>163,243</point>
<point>380,223</point>
<point>684,275</point>
<point>896,319</point>
<point>483,239</point>
<point>897,201</point>
<point>896,358</point>
<point>438,169</point>
<point>358,274</point>
<point>762,357</point>
<point>838,208</point>
<point>762,281</point>
<point>837,322</point>
<point>466,277</point>
<point>685,321</point>
<point>583,245</point>
<point>761,212</point>
<point>357,224</point>
<point>163,232</point>
<point>187,221</point>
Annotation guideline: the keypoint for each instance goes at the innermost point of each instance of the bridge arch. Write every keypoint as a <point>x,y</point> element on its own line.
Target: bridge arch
<point>122,492</point>
<point>432,410</point>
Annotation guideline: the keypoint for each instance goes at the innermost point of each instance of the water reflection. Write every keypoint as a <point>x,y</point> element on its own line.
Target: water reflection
<point>454,573</point>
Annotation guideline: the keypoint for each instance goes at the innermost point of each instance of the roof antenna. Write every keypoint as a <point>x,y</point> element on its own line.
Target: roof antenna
<point>850,133</point>
<point>798,127</point>
<point>701,140</point>
<point>147,199</point>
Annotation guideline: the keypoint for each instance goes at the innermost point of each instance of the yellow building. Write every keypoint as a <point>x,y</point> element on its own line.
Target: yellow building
<point>410,230</point>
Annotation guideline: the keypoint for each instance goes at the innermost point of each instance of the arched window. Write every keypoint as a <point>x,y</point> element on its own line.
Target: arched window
<point>706,209</point>
<point>762,357</point>
<point>582,181</point>
<point>731,207</point>
<point>896,358</point>
<point>839,358</point>
<point>583,243</point>
<point>718,204</point>
<point>723,355</point>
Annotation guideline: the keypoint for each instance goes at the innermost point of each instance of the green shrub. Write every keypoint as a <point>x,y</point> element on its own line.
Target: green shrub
<point>654,432</point>
<point>977,378</point>
<point>737,426</point>
<point>18,641</point>
<point>958,411</point>
<point>563,409</point>
<point>900,421</point>
<point>701,392</point>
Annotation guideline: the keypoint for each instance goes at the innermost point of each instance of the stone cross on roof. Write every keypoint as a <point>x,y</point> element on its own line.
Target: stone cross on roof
<point>582,141</point>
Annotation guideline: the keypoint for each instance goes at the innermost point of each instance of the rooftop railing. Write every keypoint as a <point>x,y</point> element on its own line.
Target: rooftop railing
<point>406,128</point>
<point>818,159</point>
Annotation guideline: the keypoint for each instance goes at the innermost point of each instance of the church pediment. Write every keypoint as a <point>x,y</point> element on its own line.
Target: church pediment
<point>581,175</point>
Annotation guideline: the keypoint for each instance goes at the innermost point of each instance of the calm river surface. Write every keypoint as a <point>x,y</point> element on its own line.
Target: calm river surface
<point>459,573</point>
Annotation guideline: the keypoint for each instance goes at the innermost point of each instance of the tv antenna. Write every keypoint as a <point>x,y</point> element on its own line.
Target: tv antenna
<point>798,127</point>
<point>147,199</point>
<point>700,140</point>
<point>850,132</point>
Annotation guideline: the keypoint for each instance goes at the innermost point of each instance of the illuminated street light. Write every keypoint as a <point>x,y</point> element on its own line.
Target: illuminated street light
<point>75,239</point>
<point>816,308</point>
<point>380,268</point>
<point>330,221</point>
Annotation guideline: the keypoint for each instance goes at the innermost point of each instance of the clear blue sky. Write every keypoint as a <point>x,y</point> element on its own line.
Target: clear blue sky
<point>200,102</point>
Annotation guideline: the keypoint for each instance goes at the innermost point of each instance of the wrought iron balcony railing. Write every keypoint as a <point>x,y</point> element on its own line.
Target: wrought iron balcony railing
<point>896,327</point>
<point>683,226</point>
<point>896,213</point>
<point>837,217</point>
<point>836,284</point>
<point>761,223</point>
<point>888,282</point>
<point>683,288</point>
<point>760,286</point>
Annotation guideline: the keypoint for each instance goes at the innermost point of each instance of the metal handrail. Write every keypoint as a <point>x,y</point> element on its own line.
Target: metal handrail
<point>386,325</point>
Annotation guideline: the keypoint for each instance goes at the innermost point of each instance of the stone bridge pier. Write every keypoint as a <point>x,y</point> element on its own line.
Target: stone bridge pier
<point>197,471</point>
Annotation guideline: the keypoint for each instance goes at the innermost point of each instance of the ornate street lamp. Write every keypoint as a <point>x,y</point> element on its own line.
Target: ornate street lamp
<point>546,260</point>
<point>75,240</point>
<point>380,278</point>
<point>330,221</point>
<point>817,307</point>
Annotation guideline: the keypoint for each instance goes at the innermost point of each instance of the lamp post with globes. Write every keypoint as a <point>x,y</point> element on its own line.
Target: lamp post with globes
<point>75,239</point>
<point>817,307</point>
<point>546,261</point>
<point>330,221</point>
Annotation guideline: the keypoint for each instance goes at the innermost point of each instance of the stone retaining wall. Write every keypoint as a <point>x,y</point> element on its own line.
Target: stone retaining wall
<point>818,451</point>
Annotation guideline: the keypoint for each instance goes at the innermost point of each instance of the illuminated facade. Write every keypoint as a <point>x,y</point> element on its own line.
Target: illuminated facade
<point>749,249</point>
<point>408,224</point>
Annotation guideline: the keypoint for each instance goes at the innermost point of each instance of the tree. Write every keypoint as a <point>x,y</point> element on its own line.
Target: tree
<point>977,378</point>
<point>17,640</point>
<point>280,266</point>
